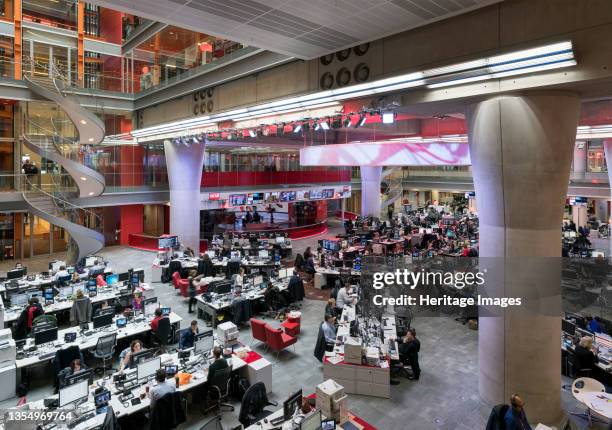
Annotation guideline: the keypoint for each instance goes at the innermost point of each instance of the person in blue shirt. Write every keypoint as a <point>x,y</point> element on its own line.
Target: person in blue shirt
<point>188,336</point>
<point>594,325</point>
<point>515,418</point>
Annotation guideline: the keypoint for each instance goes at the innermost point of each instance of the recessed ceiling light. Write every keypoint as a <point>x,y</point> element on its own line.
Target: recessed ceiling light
<point>91,139</point>
<point>83,178</point>
<point>83,122</point>
<point>92,193</point>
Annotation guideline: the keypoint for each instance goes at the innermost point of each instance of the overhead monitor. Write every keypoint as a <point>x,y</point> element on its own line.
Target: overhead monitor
<point>237,199</point>
<point>167,242</point>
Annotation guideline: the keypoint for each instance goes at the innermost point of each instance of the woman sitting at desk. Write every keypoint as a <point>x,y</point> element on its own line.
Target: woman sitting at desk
<point>137,302</point>
<point>75,366</point>
<point>126,355</point>
<point>586,355</point>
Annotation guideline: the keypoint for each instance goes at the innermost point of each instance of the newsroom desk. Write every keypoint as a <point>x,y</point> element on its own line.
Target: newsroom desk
<point>254,369</point>
<point>213,307</point>
<point>46,352</point>
<point>360,378</point>
<point>323,274</point>
<point>11,314</point>
<point>218,263</point>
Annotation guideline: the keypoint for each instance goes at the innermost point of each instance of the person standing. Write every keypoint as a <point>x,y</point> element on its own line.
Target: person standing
<point>409,352</point>
<point>515,418</point>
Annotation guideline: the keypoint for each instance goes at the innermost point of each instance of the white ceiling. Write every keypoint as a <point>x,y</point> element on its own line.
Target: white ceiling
<point>299,28</point>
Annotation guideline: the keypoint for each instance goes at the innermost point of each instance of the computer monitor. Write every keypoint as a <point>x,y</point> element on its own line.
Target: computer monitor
<point>166,310</point>
<point>55,265</point>
<point>102,398</point>
<point>73,393</point>
<point>92,290</point>
<point>90,261</point>
<point>263,253</point>
<point>211,254</point>
<point>146,369</point>
<point>235,256</point>
<point>65,291</point>
<point>568,327</point>
<point>15,274</point>
<point>81,375</point>
<point>112,279</point>
<point>258,280</point>
<point>19,299</point>
<point>70,270</point>
<point>45,336</point>
<point>290,271</point>
<point>124,276</point>
<point>577,319</point>
<point>277,258</point>
<point>597,254</point>
<point>224,288</point>
<point>103,320</point>
<point>121,322</point>
<point>311,421</point>
<point>203,342</point>
<point>280,240</point>
<point>293,403</point>
<point>580,332</point>
<point>282,273</point>
<point>135,280</point>
<point>142,355</point>
<point>150,308</point>
<point>171,370</point>
<point>140,273</point>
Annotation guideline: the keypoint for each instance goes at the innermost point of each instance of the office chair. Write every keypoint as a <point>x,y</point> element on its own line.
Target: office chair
<point>163,333</point>
<point>252,407</point>
<point>213,424</point>
<point>219,384</point>
<point>105,349</point>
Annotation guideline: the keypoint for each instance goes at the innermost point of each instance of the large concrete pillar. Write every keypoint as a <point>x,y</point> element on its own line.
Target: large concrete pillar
<point>580,159</point>
<point>184,164</point>
<point>370,190</point>
<point>521,149</point>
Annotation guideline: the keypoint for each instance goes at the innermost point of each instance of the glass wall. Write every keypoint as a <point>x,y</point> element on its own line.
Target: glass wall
<point>54,13</point>
<point>65,59</point>
<point>6,9</point>
<point>247,161</point>
<point>596,159</point>
<point>6,56</point>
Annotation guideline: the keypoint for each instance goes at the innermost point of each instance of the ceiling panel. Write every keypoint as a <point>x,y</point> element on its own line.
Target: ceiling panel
<point>299,28</point>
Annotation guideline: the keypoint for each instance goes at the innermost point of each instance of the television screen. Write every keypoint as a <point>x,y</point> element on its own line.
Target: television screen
<point>316,194</point>
<point>301,195</point>
<point>328,193</point>
<point>167,242</point>
<point>287,196</point>
<point>237,199</point>
<point>257,197</point>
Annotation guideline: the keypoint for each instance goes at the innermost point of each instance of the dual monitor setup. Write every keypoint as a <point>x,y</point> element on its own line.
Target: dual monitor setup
<point>310,421</point>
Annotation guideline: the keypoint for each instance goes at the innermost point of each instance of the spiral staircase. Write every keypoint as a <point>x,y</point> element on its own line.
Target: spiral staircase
<point>392,189</point>
<point>52,201</point>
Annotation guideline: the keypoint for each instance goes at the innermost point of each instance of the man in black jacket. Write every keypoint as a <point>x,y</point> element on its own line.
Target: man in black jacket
<point>409,352</point>
<point>219,363</point>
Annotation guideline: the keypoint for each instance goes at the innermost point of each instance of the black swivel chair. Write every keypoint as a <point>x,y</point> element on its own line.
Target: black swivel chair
<point>163,334</point>
<point>252,407</point>
<point>105,349</point>
<point>219,389</point>
<point>233,268</point>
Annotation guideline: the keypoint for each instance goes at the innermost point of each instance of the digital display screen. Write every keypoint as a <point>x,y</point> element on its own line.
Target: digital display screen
<point>316,194</point>
<point>167,242</point>
<point>287,196</point>
<point>256,197</point>
<point>328,193</point>
<point>237,199</point>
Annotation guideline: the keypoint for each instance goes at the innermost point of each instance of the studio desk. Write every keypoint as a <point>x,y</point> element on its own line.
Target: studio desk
<point>362,379</point>
<point>252,366</point>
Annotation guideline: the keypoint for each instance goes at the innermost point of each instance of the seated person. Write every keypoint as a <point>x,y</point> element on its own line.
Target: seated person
<point>155,321</point>
<point>137,302</point>
<point>344,297</point>
<point>309,266</point>
<point>515,418</point>
<point>102,308</point>
<point>188,336</point>
<point>81,309</point>
<point>595,326</point>
<point>329,329</point>
<point>61,273</point>
<point>162,388</point>
<point>219,363</point>
<point>330,308</point>
<point>33,310</point>
<point>125,358</point>
<point>586,355</point>
<point>239,278</point>
<point>75,366</point>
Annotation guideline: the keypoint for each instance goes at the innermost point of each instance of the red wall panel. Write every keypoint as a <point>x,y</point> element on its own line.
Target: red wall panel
<point>131,221</point>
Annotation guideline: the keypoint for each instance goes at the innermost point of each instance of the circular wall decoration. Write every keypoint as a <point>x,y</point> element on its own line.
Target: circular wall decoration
<point>195,96</point>
<point>203,107</point>
<point>202,94</point>
<point>343,77</point>
<point>361,49</point>
<point>344,54</point>
<point>327,59</point>
<point>196,109</point>
<point>209,106</point>
<point>361,72</point>
<point>326,81</point>
<point>209,92</point>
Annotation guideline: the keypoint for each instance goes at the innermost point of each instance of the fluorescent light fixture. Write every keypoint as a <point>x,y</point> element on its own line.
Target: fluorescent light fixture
<point>532,60</point>
<point>317,126</point>
<point>324,125</point>
<point>297,128</point>
<point>92,193</point>
<point>83,178</point>
<point>362,120</point>
<point>388,117</point>
<point>91,139</point>
<point>83,122</point>
<point>347,122</point>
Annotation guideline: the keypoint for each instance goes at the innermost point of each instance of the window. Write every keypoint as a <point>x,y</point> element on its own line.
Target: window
<point>596,159</point>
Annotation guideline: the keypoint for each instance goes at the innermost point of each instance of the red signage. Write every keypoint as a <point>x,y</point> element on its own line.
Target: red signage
<point>214,196</point>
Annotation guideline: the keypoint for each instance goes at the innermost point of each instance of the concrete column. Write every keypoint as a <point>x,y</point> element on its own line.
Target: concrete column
<point>580,158</point>
<point>608,155</point>
<point>370,190</point>
<point>521,149</point>
<point>435,196</point>
<point>184,165</point>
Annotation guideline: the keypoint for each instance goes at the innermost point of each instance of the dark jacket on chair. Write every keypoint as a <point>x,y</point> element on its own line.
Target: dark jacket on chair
<point>168,412</point>
<point>320,345</point>
<point>295,289</point>
<point>496,418</point>
<point>253,403</point>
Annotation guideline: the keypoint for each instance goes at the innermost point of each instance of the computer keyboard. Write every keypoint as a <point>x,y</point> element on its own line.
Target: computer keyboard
<point>46,355</point>
<point>126,397</point>
<point>81,419</point>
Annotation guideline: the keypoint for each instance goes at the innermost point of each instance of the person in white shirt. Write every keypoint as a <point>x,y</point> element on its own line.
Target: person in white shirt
<point>329,329</point>
<point>61,273</point>
<point>238,281</point>
<point>344,297</point>
<point>162,388</point>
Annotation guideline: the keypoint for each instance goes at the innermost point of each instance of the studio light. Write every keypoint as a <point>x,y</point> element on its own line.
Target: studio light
<point>347,122</point>
<point>324,125</point>
<point>297,128</point>
<point>317,126</point>
<point>252,133</point>
<point>362,120</point>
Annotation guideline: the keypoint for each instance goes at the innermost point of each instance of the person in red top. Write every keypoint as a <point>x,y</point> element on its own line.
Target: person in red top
<point>34,310</point>
<point>155,320</point>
